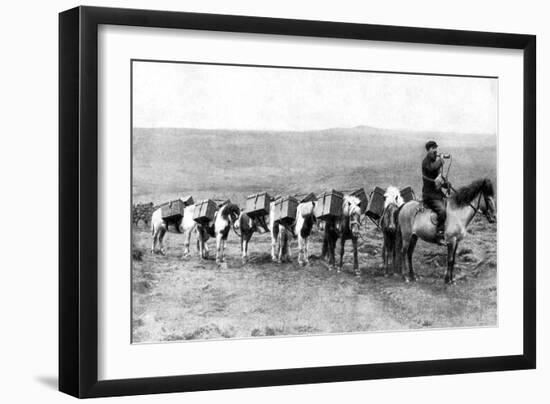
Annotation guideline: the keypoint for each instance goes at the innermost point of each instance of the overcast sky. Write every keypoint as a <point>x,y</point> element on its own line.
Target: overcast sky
<point>237,97</point>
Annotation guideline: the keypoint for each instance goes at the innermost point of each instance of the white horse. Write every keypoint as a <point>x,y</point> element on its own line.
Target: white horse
<point>159,227</point>
<point>224,219</point>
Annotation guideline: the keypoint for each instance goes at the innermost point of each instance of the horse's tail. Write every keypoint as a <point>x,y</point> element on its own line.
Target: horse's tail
<point>284,235</point>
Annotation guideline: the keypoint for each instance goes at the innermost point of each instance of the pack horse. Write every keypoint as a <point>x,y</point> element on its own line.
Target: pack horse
<point>342,214</point>
<point>215,221</point>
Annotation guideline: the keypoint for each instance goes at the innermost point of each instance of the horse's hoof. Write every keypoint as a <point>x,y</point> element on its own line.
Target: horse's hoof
<point>302,263</point>
<point>339,269</point>
<point>405,279</point>
<point>447,280</point>
<point>357,273</point>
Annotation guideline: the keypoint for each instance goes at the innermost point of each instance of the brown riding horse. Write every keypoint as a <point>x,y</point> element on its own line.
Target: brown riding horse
<point>415,222</point>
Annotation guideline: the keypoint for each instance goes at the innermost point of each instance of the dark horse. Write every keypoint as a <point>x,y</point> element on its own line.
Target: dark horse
<point>388,224</point>
<point>345,227</point>
<point>461,207</point>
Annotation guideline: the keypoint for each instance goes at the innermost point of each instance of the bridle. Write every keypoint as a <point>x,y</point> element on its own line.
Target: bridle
<point>476,208</point>
<point>232,223</point>
<point>356,218</point>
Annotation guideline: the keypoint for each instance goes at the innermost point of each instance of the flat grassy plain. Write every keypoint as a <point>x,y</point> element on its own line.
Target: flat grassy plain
<point>176,298</point>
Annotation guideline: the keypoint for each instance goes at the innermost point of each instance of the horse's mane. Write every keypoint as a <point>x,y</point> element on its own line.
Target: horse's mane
<point>466,194</point>
<point>354,203</point>
<point>352,199</point>
<point>392,196</point>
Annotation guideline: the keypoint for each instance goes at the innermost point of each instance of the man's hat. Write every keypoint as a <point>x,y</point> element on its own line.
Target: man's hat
<point>431,144</point>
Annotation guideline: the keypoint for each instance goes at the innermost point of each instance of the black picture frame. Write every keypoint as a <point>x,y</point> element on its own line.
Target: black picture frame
<point>78,201</point>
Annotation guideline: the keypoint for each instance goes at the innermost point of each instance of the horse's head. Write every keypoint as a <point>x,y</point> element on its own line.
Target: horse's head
<point>232,212</point>
<point>487,203</point>
<point>388,222</point>
<point>352,210</point>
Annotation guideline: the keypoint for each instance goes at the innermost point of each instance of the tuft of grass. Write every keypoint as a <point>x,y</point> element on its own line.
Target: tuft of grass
<point>137,254</point>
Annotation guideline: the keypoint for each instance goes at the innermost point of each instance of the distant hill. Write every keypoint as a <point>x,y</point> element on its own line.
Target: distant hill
<point>171,162</point>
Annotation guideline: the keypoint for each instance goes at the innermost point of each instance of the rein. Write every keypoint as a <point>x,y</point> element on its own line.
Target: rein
<point>476,209</point>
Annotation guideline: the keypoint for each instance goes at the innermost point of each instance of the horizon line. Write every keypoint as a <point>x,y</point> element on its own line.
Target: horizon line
<point>412,131</point>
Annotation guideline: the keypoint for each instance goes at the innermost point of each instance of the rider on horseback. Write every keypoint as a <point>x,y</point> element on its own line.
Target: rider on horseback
<point>433,182</point>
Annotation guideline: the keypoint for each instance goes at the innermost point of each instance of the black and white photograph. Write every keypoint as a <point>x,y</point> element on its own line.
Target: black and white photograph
<point>273,201</point>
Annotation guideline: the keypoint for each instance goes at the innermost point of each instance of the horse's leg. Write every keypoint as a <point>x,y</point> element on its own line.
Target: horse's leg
<point>393,252</point>
<point>355,257</point>
<point>218,247</point>
<point>306,243</point>
<point>286,245</point>
<point>451,251</point>
<point>454,256</point>
<point>300,249</point>
<point>205,248</point>
<point>243,248</point>
<point>274,239</point>
<point>280,246</point>
<point>331,252</point>
<point>155,234</point>
<point>200,244</point>
<point>324,250</point>
<point>404,253</point>
<point>186,242</point>
<point>410,251</point>
<point>385,254</point>
<point>246,247</point>
<point>162,233</point>
<point>342,250</point>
